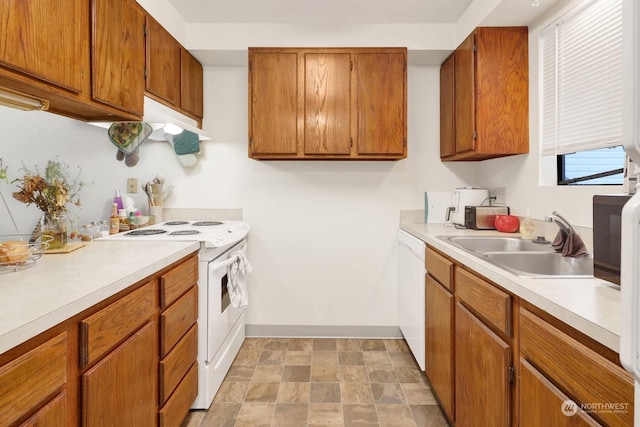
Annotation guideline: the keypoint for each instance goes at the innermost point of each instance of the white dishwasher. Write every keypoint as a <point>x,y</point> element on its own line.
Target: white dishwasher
<point>411,274</point>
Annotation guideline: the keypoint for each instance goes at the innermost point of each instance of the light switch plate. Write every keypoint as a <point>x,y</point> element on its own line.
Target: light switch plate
<point>132,185</point>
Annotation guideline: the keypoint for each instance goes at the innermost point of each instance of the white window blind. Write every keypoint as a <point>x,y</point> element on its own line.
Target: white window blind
<point>581,75</point>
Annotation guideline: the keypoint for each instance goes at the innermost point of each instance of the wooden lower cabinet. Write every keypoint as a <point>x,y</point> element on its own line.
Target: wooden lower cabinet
<point>496,360</point>
<point>439,306</point>
<point>104,366</point>
<point>121,389</point>
<point>26,387</point>
<point>482,373</point>
<point>578,371</point>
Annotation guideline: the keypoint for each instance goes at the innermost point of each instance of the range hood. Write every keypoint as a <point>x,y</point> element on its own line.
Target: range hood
<point>165,122</point>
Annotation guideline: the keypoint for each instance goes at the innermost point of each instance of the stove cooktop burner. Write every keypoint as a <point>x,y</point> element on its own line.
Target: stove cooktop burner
<point>176,222</point>
<point>145,232</point>
<point>184,232</point>
<point>206,223</point>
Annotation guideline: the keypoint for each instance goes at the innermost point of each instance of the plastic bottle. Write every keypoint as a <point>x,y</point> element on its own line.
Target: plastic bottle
<point>114,221</point>
<point>123,220</point>
<point>527,228</point>
<point>118,200</point>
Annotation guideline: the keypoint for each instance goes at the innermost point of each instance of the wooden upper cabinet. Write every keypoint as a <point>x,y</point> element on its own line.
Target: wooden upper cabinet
<point>381,103</point>
<point>327,103</point>
<point>484,105</point>
<point>163,54</point>
<point>273,103</point>
<point>447,106</point>
<point>191,98</point>
<point>118,54</point>
<point>86,58</point>
<point>46,39</point>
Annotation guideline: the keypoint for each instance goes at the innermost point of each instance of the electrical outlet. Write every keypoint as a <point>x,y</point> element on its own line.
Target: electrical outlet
<point>132,185</point>
<point>500,195</point>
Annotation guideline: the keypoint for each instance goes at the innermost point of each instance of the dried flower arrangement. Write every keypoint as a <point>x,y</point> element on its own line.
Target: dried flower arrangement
<point>52,191</point>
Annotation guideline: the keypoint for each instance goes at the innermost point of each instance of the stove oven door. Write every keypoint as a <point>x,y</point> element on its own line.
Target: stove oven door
<point>221,315</point>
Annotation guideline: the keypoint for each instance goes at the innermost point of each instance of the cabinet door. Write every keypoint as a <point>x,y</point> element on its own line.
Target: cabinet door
<point>439,305</point>
<point>163,63</point>
<point>327,102</point>
<point>46,39</point>
<point>273,106</point>
<point>482,363</point>
<point>464,90</point>
<point>191,98</point>
<point>122,389</point>
<point>381,100</point>
<point>447,108</point>
<point>118,54</point>
<point>541,402</point>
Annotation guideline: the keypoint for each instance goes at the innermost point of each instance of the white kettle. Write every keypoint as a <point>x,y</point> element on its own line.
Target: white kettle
<point>461,197</point>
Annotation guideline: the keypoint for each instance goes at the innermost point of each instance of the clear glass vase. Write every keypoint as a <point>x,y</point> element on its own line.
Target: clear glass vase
<point>56,227</point>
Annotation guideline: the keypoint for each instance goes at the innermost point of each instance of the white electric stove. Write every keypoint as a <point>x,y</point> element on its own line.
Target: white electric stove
<point>221,327</point>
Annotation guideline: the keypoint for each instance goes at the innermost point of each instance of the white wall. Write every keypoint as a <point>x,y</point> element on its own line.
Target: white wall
<point>323,237</point>
<point>520,174</point>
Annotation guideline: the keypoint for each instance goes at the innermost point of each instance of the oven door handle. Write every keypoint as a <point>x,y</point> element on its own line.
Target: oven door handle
<point>228,261</point>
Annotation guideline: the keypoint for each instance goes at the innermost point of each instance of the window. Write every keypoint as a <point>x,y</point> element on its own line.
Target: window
<point>603,166</point>
<point>581,91</point>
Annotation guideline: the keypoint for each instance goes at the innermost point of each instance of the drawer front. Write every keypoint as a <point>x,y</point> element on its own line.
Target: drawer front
<point>485,299</point>
<point>580,372</point>
<point>108,327</point>
<point>174,412</point>
<point>177,281</point>
<point>176,320</point>
<point>30,380</point>
<point>177,363</point>
<point>440,268</point>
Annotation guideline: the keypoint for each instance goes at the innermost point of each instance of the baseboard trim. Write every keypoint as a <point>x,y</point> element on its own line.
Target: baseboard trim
<point>319,331</point>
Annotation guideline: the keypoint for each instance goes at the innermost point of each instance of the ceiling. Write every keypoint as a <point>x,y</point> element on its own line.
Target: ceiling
<point>321,11</point>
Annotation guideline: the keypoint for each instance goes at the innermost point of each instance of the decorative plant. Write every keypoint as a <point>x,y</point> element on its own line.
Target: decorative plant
<point>51,192</point>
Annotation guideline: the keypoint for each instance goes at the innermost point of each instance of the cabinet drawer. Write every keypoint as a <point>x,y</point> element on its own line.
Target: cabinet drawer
<point>581,373</point>
<point>440,268</point>
<point>177,281</point>
<point>108,327</point>
<point>485,299</point>
<point>174,412</point>
<point>178,319</point>
<point>30,380</point>
<point>177,363</point>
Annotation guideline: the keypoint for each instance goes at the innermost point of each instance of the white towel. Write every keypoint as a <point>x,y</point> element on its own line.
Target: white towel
<point>237,284</point>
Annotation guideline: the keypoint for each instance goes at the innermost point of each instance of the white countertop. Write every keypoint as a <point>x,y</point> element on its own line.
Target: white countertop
<point>592,306</point>
<point>60,286</point>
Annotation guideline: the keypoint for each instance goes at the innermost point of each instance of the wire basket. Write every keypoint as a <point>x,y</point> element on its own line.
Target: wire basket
<point>21,251</point>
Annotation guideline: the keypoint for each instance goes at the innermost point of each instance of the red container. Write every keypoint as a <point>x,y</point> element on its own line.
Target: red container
<point>507,223</point>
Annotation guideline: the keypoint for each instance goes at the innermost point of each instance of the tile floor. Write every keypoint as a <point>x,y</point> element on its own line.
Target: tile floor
<point>322,382</point>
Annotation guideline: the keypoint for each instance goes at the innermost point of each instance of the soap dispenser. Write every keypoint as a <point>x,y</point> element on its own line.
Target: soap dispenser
<point>527,228</point>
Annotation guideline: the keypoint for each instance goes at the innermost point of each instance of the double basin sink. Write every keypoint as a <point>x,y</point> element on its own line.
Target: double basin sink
<point>524,258</point>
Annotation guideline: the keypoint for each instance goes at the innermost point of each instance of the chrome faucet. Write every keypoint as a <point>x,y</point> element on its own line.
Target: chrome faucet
<point>561,222</point>
<point>576,247</point>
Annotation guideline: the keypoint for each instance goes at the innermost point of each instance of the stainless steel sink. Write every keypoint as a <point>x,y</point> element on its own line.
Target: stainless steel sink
<point>523,257</point>
<point>484,244</point>
<point>542,264</point>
